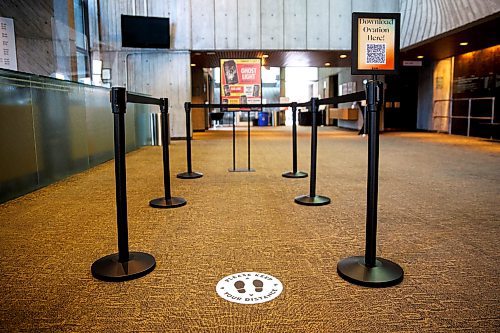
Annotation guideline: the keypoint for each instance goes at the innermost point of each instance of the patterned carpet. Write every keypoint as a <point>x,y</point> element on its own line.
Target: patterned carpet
<point>438,218</point>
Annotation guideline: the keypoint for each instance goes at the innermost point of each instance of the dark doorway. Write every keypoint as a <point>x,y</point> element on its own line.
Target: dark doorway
<point>401,98</point>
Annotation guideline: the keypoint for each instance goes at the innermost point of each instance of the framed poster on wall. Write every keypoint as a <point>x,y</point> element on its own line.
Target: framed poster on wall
<point>241,81</point>
<point>8,57</point>
<point>375,43</point>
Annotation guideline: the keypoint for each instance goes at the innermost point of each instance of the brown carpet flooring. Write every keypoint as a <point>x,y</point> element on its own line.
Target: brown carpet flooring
<point>438,218</point>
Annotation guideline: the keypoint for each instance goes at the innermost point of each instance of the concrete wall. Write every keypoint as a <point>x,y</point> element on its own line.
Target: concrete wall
<point>157,72</point>
<point>277,24</point>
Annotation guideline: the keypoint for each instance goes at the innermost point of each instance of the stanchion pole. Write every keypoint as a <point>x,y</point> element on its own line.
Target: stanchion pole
<point>189,174</point>
<point>294,173</point>
<point>168,201</point>
<point>123,265</point>
<point>369,270</point>
<point>312,199</point>
<point>248,140</point>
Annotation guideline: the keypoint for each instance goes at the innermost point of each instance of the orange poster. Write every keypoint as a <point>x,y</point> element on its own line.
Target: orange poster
<point>240,81</point>
<point>375,43</point>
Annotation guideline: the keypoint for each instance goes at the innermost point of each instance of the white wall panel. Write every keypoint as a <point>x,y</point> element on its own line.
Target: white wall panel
<point>295,18</point>
<point>272,24</point>
<point>164,75</point>
<point>363,5</point>
<point>340,24</point>
<point>226,24</point>
<point>180,23</point>
<point>249,24</point>
<point>203,25</point>
<point>318,18</point>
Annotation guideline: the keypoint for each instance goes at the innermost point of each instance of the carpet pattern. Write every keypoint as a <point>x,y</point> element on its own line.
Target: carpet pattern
<point>439,219</point>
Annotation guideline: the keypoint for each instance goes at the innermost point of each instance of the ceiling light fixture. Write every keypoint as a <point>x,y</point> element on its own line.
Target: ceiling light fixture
<point>464,43</point>
<point>420,57</point>
<point>327,64</point>
<point>265,56</point>
<point>343,56</point>
<point>192,65</point>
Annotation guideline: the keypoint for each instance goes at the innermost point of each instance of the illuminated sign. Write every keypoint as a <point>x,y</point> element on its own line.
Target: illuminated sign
<point>375,43</point>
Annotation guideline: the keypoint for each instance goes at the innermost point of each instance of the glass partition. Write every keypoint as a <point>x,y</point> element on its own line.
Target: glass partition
<point>50,129</point>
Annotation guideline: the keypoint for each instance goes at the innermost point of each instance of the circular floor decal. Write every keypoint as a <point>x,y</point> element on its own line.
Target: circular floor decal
<point>249,288</point>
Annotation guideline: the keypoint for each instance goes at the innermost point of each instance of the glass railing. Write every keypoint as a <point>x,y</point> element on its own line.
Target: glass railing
<point>50,129</point>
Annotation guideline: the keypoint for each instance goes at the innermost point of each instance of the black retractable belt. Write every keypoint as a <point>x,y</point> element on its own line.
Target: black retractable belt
<point>368,270</point>
<point>294,173</point>
<point>312,199</point>
<point>123,265</point>
<point>168,201</point>
<point>189,174</point>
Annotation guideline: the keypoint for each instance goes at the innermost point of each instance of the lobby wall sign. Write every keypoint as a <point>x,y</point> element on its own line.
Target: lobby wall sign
<point>241,81</point>
<point>8,58</point>
<point>249,288</point>
<point>375,43</point>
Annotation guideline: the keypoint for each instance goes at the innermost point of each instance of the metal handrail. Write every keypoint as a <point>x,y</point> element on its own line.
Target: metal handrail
<point>468,117</point>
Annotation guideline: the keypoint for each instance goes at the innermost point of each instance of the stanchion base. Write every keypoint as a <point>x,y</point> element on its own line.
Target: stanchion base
<point>307,200</point>
<point>385,273</point>
<point>108,268</point>
<point>189,175</point>
<point>241,170</point>
<point>298,174</point>
<point>173,202</point>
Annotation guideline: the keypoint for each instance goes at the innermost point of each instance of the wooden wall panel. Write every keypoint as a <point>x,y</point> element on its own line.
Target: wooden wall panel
<point>249,24</point>
<point>271,12</point>
<point>203,24</point>
<point>423,19</point>
<point>318,21</point>
<point>226,24</point>
<point>295,22</point>
<point>340,24</point>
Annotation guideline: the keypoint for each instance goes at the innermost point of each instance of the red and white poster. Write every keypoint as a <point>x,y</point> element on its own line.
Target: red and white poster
<point>241,81</point>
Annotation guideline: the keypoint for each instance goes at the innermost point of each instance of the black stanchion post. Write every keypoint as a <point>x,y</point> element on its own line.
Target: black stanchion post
<point>234,144</point>
<point>123,265</point>
<point>168,201</point>
<point>189,174</point>
<point>248,140</point>
<point>312,199</point>
<point>294,173</point>
<point>369,270</point>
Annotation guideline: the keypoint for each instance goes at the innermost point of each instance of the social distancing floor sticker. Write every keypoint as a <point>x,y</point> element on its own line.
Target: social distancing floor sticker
<point>249,288</point>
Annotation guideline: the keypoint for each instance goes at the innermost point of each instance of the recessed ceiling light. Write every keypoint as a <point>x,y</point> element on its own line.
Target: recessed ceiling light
<point>197,53</point>
<point>210,53</point>
<point>265,56</point>
<point>192,65</point>
<point>464,43</point>
<point>327,64</point>
<point>342,56</point>
<point>420,57</point>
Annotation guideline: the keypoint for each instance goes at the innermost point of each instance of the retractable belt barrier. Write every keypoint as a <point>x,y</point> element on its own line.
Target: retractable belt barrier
<point>126,265</point>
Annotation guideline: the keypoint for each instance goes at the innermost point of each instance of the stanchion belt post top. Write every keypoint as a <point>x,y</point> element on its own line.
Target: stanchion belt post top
<point>164,105</point>
<point>187,106</point>
<point>118,99</point>
<point>314,104</point>
<point>294,105</point>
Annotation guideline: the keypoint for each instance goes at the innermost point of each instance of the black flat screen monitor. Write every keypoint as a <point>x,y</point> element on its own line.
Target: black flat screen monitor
<point>145,32</point>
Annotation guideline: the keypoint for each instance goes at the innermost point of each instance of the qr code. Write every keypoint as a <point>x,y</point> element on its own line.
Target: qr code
<point>375,53</point>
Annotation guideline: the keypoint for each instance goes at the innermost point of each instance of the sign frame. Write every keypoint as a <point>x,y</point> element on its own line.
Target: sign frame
<point>222,73</point>
<point>355,70</point>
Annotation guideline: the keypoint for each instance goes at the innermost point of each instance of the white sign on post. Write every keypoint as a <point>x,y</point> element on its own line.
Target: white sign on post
<point>8,58</point>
